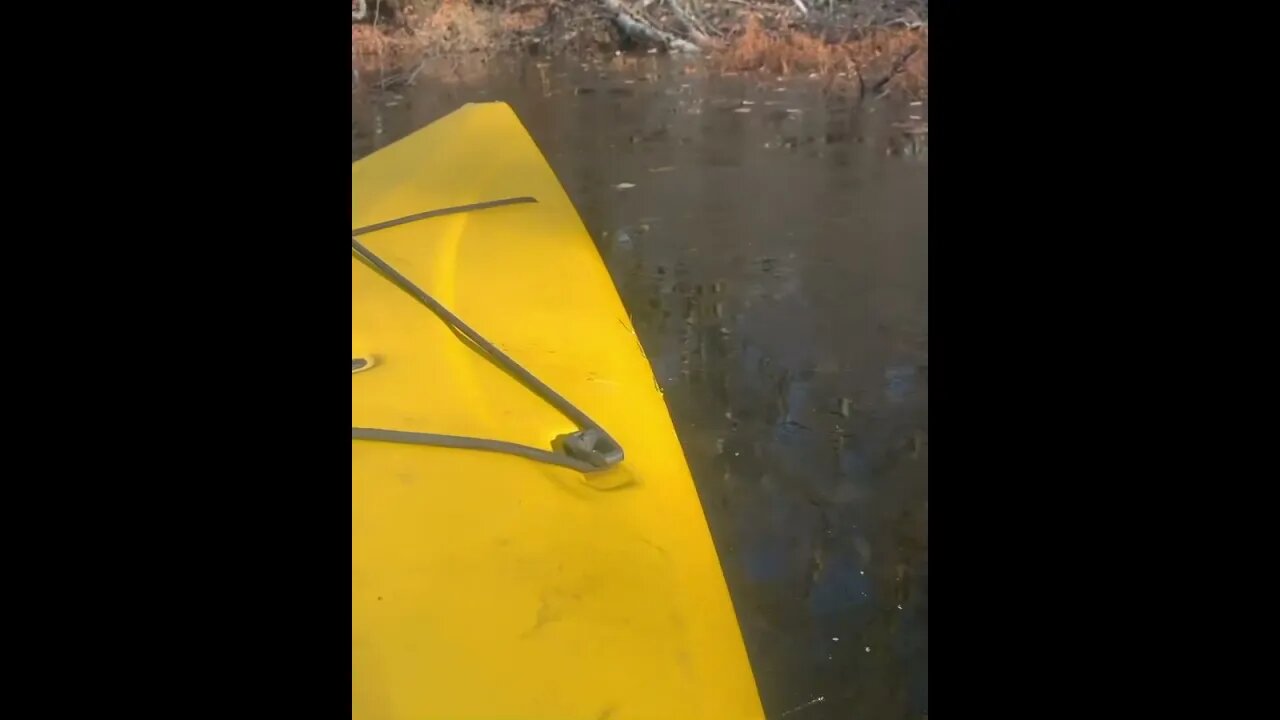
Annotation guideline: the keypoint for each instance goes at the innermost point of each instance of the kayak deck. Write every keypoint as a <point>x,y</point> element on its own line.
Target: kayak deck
<point>486,585</point>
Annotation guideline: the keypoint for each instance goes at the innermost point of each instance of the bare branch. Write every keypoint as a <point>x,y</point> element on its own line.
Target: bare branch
<point>636,28</point>
<point>911,20</point>
<point>692,26</point>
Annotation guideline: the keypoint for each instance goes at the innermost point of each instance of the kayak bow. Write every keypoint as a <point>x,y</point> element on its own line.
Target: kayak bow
<point>508,559</point>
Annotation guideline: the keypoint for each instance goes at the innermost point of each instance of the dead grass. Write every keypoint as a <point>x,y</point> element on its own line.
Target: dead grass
<point>525,18</point>
<point>438,27</point>
<point>457,26</point>
<point>897,57</point>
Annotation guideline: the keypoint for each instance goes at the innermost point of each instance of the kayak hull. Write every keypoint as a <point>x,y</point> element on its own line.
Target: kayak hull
<point>486,585</point>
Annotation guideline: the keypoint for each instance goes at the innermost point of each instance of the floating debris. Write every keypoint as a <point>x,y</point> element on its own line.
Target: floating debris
<point>844,407</point>
<point>624,186</point>
<point>835,639</point>
<point>918,124</point>
<point>868,648</point>
<point>742,110</point>
<point>664,168</point>
<point>802,706</point>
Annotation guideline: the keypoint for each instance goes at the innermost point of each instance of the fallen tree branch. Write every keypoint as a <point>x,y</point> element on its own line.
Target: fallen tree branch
<point>636,28</point>
<point>695,29</point>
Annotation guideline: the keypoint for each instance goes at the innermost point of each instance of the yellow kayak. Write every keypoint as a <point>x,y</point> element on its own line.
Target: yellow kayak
<point>526,538</point>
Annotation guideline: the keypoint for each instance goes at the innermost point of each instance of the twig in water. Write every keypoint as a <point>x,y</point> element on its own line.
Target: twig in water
<point>814,701</point>
<point>415,72</point>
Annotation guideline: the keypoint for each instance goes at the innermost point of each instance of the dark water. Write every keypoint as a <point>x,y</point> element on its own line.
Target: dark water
<point>773,253</point>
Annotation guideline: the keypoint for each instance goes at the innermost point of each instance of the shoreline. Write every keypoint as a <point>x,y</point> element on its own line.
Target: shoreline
<point>876,52</point>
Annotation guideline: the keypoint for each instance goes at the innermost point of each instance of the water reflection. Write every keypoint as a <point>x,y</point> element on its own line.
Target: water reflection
<point>775,265</point>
